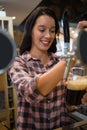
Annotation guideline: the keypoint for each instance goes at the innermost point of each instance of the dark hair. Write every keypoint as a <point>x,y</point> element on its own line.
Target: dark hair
<point>27,39</point>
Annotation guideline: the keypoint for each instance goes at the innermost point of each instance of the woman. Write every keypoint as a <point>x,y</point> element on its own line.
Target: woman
<point>37,74</point>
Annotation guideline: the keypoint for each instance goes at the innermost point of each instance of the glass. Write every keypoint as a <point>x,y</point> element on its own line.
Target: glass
<point>74,93</point>
<point>77,79</point>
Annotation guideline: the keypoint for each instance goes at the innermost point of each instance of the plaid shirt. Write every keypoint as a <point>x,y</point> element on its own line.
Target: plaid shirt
<point>36,112</point>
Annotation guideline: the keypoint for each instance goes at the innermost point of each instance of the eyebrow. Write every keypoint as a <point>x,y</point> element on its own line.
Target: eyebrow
<point>45,26</point>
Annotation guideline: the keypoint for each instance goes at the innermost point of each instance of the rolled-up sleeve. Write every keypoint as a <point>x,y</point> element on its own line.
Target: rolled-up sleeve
<point>24,81</point>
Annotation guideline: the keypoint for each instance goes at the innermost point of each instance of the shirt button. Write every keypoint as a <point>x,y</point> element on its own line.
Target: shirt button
<point>48,119</point>
<point>48,101</point>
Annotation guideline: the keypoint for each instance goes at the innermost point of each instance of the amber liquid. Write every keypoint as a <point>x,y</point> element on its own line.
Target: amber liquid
<point>74,97</point>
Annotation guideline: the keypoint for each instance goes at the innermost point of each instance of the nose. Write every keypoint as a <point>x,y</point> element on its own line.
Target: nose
<point>47,34</point>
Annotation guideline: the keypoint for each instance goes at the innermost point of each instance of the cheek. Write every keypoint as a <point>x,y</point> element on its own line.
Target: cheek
<point>35,35</point>
<point>54,36</point>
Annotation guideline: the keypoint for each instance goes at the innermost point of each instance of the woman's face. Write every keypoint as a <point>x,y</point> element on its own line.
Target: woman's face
<point>43,33</point>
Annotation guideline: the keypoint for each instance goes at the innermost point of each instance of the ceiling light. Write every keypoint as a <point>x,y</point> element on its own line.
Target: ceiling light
<point>13,17</point>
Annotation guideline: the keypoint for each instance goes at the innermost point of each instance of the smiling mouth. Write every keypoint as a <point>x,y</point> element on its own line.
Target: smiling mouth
<point>45,43</point>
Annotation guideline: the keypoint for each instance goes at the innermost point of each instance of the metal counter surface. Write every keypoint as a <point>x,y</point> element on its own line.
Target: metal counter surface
<point>74,126</point>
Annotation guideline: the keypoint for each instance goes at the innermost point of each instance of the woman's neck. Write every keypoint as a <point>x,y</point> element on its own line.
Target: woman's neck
<point>43,56</point>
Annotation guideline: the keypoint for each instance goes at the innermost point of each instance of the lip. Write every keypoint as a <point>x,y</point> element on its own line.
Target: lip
<point>45,43</point>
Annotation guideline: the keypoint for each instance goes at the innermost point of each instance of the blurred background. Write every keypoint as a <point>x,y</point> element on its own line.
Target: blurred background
<point>20,10</point>
<point>13,15</point>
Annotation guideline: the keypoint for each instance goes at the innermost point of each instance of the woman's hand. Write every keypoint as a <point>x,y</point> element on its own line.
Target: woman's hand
<point>63,82</point>
<point>82,25</point>
<point>84,98</point>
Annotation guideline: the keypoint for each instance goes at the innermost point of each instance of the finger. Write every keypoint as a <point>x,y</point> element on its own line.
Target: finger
<point>85,29</point>
<point>82,24</point>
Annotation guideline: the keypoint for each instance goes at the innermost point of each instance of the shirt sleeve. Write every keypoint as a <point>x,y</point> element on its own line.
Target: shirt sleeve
<point>25,83</point>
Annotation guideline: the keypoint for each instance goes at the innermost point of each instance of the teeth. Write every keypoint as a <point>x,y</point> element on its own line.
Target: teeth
<point>45,42</point>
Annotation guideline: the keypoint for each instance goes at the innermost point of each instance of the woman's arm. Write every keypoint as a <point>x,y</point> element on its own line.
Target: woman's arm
<point>47,81</point>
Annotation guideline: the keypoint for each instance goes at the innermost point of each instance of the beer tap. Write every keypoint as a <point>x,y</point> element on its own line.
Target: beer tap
<point>66,33</point>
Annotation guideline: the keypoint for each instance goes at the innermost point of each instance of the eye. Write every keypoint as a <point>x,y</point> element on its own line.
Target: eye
<point>41,29</point>
<point>52,31</point>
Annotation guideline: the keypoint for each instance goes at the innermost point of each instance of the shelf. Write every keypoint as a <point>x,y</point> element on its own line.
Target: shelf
<point>8,110</point>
